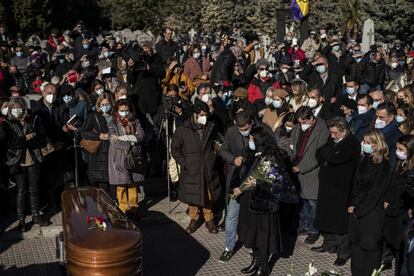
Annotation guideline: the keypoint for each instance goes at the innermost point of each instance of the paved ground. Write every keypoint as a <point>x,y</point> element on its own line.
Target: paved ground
<point>168,249</point>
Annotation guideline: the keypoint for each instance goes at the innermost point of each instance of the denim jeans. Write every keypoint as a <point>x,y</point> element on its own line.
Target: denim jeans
<point>307,216</point>
<point>232,218</point>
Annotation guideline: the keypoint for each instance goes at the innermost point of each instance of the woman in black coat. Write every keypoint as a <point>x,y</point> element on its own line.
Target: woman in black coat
<point>338,157</point>
<point>96,128</point>
<point>25,136</point>
<point>399,221</point>
<point>259,227</point>
<point>367,205</point>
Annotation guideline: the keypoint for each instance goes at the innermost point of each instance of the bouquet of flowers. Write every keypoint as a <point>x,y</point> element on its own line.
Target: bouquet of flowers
<point>97,222</point>
<point>268,171</point>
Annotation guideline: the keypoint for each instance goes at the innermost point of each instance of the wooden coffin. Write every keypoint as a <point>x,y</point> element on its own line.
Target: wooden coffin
<point>117,250</point>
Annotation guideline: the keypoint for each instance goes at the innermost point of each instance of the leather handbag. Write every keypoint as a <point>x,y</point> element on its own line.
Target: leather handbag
<point>91,146</point>
<point>134,160</point>
<point>48,149</point>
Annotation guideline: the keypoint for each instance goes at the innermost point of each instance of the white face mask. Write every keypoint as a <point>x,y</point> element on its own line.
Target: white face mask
<point>202,120</point>
<point>17,112</point>
<point>305,127</point>
<point>401,155</point>
<point>196,55</point>
<point>205,98</point>
<point>263,74</point>
<point>106,54</point>
<point>123,97</point>
<point>285,70</point>
<point>123,114</point>
<point>380,124</point>
<point>362,109</point>
<point>4,111</point>
<point>394,65</point>
<point>277,104</point>
<point>312,103</point>
<point>50,98</point>
<point>288,129</point>
<point>268,101</point>
<point>99,91</point>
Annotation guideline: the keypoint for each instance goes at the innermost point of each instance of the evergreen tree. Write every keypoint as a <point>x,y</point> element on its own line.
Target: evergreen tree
<point>32,15</point>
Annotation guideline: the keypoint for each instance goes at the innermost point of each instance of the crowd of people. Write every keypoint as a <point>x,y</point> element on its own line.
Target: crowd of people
<point>334,124</point>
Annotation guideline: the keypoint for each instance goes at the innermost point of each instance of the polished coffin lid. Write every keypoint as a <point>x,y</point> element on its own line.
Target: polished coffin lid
<point>120,242</point>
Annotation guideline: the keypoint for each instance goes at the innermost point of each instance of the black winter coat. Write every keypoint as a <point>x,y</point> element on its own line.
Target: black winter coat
<point>371,73</point>
<point>400,195</point>
<point>368,196</point>
<point>223,67</point>
<point>331,88</point>
<point>197,159</point>
<point>337,167</point>
<point>48,117</point>
<point>167,49</point>
<point>147,85</point>
<point>14,134</point>
<point>95,125</point>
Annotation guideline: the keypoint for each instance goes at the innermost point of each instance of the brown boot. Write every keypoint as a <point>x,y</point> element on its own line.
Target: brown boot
<point>193,226</point>
<point>211,227</point>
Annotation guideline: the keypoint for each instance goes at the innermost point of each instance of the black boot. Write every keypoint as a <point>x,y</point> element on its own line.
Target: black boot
<point>263,270</point>
<point>38,219</point>
<point>252,268</point>
<point>22,226</point>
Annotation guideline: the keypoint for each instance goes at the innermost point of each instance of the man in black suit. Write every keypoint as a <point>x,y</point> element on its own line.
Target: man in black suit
<point>319,107</point>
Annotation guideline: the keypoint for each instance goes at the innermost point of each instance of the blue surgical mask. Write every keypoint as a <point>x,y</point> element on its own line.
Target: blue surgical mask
<point>19,53</point>
<point>123,114</point>
<point>277,104</point>
<point>105,108</point>
<point>61,60</point>
<point>85,46</point>
<point>367,148</point>
<point>252,145</point>
<point>350,90</point>
<point>245,133</point>
<point>321,69</point>
<point>375,104</point>
<point>67,99</point>
<point>400,119</point>
<point>358,60</point>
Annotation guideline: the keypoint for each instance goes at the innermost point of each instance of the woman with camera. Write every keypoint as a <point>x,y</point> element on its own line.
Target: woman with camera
<point>174,75</point>
<point>125,134</point>
<point>25,136</point>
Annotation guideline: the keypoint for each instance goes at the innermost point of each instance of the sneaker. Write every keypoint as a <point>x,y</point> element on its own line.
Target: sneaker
<point>226,256</point>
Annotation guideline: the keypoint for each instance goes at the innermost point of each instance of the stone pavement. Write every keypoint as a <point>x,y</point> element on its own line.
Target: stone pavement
<point>168,249</point>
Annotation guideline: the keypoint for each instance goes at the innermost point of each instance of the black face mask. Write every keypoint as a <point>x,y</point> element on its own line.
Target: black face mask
<point>400,102</point>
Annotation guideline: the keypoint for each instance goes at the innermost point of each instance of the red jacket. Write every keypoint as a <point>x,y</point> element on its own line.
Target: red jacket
<point>298,55</point>
<point>257,88</point>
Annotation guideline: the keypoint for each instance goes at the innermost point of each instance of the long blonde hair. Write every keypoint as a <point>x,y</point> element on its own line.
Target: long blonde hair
<point>302,90</point>
<point>376,137</point>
